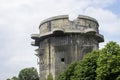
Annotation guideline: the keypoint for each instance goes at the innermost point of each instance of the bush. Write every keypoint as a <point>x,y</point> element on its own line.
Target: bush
<point>50,77</point>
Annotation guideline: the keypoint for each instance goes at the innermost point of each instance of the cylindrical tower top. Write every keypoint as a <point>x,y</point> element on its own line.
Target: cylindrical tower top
<point>67,17</point>
<point>61,24</point>
<point>54,18</point>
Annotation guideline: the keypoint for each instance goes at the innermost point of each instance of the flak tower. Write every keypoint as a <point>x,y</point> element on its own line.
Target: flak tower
<point>62,41</point>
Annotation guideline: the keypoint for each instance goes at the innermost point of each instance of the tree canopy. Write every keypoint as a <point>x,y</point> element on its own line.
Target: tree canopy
<point>28,74</point>
<point>50,77</point>
<point>109,62</point>
<point>68,73</point>
<point>103,64</point>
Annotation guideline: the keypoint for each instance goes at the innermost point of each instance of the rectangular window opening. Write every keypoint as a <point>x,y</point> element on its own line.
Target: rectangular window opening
<point>62,59</point>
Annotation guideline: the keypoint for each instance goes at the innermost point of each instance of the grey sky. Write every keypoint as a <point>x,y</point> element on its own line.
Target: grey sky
<point>21,18</point>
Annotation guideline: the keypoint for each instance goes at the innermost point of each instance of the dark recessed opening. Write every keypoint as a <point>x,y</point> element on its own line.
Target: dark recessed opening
<point>62,59</point>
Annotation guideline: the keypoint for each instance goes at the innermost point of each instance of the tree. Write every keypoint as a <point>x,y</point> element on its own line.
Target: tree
<point>109,62</point>
<point>14,78</point>
<point>82,70</point>
<point>28,74</point>
<point>50,77</point>
<point>97,65</point>
<point>68,73</point>
<point>8,79</point>
<point>86,68</point>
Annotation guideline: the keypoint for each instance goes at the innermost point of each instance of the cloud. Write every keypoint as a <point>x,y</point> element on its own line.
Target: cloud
<point>102,3</point>
<point>21,18</point>
<point>109,22</point>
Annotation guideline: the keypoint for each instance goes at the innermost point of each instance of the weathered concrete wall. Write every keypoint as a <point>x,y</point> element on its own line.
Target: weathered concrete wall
<point>62,41</point>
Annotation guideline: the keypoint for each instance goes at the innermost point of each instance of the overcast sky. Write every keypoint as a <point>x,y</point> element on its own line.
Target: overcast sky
<point>21,18</point>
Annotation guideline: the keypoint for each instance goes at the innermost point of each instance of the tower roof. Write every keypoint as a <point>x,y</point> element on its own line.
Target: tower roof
<point>61,25</point>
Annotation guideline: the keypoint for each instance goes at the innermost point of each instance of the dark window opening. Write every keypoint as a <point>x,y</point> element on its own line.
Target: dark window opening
<point>90,26</point>
<point>62,59</point>
<point>49,26</point>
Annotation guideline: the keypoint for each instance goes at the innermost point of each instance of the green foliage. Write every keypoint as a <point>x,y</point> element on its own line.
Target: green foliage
<point>13,78</point>
<point>28,74</point>
<point>86,68</point>
<point>98,65</point>
<point>83,70</point>
<point>109,62</point>
<point>68,73</point>
<point>118,78</point>
<point>50,77</point>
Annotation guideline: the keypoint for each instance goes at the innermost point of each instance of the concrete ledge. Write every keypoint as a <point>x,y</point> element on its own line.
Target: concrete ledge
<point>58,31</point>
<point>88,18</point>
<point>34,36</point>
<point>33,43</point>
<point>54,18</point>
<point>90,30</point>
<point>100,37</point>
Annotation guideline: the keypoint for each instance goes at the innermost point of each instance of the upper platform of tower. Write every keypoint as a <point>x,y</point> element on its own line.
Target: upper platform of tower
<point>62,25</point>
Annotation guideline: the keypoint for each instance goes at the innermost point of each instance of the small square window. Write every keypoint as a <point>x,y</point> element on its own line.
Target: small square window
<point>62,59</point>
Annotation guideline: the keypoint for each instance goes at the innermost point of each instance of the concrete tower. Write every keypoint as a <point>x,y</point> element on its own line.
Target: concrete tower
<point>62,41</point>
